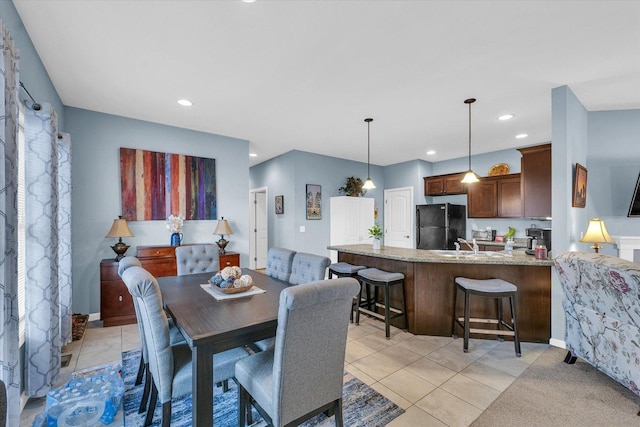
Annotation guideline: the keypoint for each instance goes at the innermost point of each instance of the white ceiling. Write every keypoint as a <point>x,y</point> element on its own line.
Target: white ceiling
<point>305,74</point>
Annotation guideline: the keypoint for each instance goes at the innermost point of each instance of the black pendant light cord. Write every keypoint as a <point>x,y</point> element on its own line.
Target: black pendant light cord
<point>469,101</point>
<point>369,120</point>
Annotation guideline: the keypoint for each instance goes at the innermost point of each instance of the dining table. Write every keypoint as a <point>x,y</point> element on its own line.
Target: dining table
<point>211,326</point>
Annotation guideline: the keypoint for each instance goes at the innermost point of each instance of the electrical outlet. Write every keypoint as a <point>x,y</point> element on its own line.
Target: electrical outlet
<point>302,229</point>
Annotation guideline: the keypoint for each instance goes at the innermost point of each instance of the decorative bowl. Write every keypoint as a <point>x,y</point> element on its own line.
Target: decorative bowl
<point>231,290</point>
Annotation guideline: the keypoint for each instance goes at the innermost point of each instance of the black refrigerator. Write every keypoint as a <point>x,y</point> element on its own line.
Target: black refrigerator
<point>440,225</point>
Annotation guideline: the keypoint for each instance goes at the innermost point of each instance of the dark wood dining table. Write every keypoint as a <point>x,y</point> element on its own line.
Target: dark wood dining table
<point>210,326</point>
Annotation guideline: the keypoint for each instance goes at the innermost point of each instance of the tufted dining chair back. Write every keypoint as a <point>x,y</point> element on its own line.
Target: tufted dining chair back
<point>307,268</point>
<point>194,259</point>
<point>279,261</point>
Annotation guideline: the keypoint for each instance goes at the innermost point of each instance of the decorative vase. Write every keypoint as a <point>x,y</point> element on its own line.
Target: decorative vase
<point>176,239</point>
<point>376,244</point>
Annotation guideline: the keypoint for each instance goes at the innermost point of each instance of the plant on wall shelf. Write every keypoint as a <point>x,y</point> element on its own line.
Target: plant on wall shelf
<point>353,187</point>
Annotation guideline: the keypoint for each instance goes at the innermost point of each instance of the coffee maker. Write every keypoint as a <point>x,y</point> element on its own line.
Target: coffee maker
<point>537,236</point>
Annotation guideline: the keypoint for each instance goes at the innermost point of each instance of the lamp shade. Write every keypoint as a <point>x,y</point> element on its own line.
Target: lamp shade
<point>223,227</point>
<point>596,233</point>
<point>119,229</point>
<point>470,177</point>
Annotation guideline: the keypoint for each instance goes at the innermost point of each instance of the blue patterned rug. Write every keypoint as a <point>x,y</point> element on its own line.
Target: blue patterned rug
<point>362,406</point>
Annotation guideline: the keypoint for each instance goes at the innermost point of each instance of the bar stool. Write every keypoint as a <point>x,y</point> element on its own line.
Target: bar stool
<point>489,288</point>
<point>379,278</point>
<point>344,269</point>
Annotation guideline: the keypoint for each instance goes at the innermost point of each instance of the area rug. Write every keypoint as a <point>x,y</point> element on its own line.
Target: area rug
<point>78,325</point>
<point>362,406</point>
<point>553,393</point>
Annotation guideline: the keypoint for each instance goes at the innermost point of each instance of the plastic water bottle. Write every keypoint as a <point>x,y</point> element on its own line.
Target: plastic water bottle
<point>508,247</point>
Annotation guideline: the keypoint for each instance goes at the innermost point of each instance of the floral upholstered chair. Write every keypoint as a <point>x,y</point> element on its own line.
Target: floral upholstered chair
<point>602,312</point>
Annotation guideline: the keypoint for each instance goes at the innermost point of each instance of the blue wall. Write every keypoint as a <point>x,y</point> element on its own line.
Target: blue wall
<point>96,140</point>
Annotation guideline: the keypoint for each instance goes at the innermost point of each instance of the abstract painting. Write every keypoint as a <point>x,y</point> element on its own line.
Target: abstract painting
<point>156,185</point>
<point>314,201</point>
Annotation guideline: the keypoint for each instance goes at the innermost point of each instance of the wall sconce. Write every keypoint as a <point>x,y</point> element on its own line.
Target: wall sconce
<point>119,229</point>
<point>222,228</point>
<point>596,233</point>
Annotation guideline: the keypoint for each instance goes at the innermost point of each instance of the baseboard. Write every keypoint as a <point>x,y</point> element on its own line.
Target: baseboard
<point>557,343</point>
<point>94,316</point>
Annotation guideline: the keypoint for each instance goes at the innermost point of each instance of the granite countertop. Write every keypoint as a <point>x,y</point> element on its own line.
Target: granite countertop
<point>518,257</point>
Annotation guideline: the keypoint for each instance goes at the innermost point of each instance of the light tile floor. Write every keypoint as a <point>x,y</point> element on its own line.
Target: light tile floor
<point>431,378</point>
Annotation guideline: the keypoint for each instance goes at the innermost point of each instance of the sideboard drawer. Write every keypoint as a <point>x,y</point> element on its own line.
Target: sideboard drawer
<point>229,259</point>
<point>156,251</point>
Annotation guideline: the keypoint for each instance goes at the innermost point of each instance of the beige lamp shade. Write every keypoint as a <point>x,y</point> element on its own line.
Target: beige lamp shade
<point>119,229</point>
<point>596,233</point>
<point>222,228</point>
<point>470,177</point>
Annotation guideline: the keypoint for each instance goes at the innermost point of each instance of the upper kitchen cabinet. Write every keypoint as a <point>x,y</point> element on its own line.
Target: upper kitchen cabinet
<point>444,185</point>
<point>495,197</point>
<point>535,172</point>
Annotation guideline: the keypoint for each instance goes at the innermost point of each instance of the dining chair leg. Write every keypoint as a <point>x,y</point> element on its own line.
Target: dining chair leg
<point>141,371</point>
<point>152,404</point>
<point>338,413</point>
<point>145,392</point>
<point>166,414</point>
<point>244,402</point>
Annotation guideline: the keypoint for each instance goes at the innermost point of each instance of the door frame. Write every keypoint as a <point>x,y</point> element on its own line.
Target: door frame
<point>252,224</point>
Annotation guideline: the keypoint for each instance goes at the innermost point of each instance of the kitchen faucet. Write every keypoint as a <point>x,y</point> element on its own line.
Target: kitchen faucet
<point>473,247</point>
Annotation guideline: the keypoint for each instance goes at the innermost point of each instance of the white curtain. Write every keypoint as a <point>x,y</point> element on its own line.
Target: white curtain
<point>9,356</point>
<point>48,249</point>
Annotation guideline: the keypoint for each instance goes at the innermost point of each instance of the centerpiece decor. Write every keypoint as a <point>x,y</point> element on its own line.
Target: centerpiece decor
<point>377,234</point>
<point>230,280</point>
<point>174,224</point>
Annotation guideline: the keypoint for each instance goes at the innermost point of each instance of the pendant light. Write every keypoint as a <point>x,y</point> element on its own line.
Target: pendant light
<point>368,184</point>
<point>470,177</point>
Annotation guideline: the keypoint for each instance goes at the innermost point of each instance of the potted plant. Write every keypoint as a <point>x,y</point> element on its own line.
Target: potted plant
<point>353,187</point>
<point>377,234</point>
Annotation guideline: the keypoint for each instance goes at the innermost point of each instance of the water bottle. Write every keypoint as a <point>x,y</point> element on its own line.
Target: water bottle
<point>508,247</point>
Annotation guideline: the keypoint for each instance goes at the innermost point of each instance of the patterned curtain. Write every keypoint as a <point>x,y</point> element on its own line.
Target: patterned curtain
<point>9,356</point>
<point>48,249</point>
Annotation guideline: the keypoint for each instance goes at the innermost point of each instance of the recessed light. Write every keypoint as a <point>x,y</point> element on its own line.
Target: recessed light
<point>253,155</point>
<point>248,1</point>
<point>506,117</point>
<point>521,135</point>
<point>185,102</point>
<point>431,153</point>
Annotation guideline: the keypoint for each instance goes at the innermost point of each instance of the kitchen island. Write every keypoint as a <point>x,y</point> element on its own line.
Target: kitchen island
<point>430,288</point>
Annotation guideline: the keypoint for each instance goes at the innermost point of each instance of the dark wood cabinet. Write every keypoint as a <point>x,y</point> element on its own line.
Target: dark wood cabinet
<point>444,185</point>
<point>495,197</point>
<point>229,259</point>
<point>535,172</point>
<point>116,304</point>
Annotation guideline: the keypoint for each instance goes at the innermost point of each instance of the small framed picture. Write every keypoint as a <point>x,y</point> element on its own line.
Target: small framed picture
<point>579,187</point>
<point>314,201</point>
<point>279,205</point>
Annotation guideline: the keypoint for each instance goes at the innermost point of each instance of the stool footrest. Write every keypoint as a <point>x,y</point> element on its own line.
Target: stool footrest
<point>395,310</point>
<point>491,332</point>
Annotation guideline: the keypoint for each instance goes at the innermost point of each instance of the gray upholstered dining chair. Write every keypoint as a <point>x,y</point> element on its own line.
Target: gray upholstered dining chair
<point>175,337</point>
<point>301,377</point>
<point>307,268</point>
<point>279,261</point>
<point>169,365</point>
<point>194,259</point>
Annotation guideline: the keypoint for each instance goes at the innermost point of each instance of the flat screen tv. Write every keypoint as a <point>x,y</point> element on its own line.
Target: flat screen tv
<point>634,209</point>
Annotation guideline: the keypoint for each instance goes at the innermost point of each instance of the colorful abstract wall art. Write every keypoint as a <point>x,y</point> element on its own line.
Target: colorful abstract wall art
<point>156,185</point>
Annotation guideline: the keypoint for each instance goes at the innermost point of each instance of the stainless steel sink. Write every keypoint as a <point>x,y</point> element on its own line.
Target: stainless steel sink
<point>469,254</point>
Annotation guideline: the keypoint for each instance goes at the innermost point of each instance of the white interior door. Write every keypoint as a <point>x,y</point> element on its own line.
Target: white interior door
<point>398,217</point>
<point>258,233</point>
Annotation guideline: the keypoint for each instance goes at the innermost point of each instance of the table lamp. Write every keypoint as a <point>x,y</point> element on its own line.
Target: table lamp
<point>222,228</point>
<point>119,229</point>
<point>596,233</point>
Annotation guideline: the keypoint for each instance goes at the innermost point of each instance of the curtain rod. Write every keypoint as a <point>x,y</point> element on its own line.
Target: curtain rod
<point>36,106</point>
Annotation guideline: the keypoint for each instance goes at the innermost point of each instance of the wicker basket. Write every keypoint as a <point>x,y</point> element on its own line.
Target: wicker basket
<point>231,290</point>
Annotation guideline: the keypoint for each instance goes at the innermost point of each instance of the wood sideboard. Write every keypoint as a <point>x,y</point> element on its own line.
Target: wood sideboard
<point>116,304</point>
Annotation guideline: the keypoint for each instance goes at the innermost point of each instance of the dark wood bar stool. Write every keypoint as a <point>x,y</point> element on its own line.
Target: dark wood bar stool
<point>384,279</point>
<point>489,288</point>
<point>344,269</point>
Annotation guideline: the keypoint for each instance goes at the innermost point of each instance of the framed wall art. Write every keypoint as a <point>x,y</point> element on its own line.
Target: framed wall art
<point>279,205</point>
<point>579,187</point>
<point>155,185</point>
<point>314,201</point>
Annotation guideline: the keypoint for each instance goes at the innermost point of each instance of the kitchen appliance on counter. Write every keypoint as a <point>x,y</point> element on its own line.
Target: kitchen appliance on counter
<point>440,225</point>
<point>487,235</point>
<point>537,236</point>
